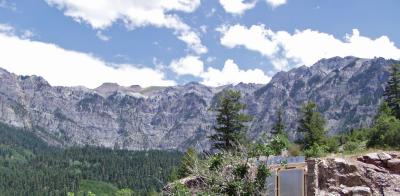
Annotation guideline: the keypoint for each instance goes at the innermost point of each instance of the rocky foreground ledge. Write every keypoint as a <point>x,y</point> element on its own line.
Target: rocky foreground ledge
<point>369,174</point>
<point>375,173</point>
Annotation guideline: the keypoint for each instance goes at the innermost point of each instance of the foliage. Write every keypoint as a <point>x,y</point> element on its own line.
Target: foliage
<point>279,143</point>
<point>96,187</point>
<point>332,144</point>
<point>392,91</point>
<point>187,163</point>
<point>262,174</point>
<point>312,125</point>
<point>230,128</point>
<point>386,130</point>
<point>29,167</point>
<point>180,189</point>
<point>216,162</point>
<point>279,126</point>
<point>124,192</point>
<point>316,150</point>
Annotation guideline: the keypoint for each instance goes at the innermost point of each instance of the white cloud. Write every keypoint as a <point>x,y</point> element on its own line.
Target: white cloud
<point>232,74</point>
<point>276,3</point>
<point>70,68</point>
<point>237,6</point>
<point>102,14</point>
<point>102,37</point>
<point>189,65</point>
<point>28,34</point>
<point>256,38</point>
<point>6,29</point>
<point>305,47</point>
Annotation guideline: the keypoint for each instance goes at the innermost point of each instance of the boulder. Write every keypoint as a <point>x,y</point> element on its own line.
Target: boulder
<point>384,156</point>
<point>394,165</point>
<point>357,190</point>
<point>371,158</point>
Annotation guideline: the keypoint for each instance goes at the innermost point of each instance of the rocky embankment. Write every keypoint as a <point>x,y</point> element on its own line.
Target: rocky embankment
<point>369,174</point>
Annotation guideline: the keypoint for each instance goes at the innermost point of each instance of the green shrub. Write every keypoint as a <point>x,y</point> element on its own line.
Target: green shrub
<point>316,151</point>
<point>180,189</point>
<point>332,143</point>
<point>353,146</point>
<point>216,162</point>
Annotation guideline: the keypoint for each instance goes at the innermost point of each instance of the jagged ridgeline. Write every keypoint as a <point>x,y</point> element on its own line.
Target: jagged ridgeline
<point>28,166</point>
<point>347,90</point>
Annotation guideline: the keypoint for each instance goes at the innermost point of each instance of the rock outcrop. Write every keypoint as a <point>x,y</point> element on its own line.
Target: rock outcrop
<point>347,91</point>
<point>371,174</point>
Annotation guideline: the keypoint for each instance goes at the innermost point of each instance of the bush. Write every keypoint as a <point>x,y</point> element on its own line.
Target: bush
<point>353,146</point>
<point>316,151</point>
<point>385,133</point>
<point>332,144</point>
<point>180,189</point>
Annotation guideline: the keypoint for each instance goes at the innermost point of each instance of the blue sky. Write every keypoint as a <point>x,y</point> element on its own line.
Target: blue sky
<point>215,42</point>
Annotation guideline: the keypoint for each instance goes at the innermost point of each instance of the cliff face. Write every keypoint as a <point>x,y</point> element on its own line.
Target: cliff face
<point>347,90</point>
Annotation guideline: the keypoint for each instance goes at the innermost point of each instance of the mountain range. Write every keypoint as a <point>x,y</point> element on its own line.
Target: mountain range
<point>347,90</point>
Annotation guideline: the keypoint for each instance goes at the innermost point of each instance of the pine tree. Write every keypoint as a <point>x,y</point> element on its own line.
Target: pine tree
<point>230,128</point>
<point>279,127</point>
<point>392,90</point>
<point>312,124</point>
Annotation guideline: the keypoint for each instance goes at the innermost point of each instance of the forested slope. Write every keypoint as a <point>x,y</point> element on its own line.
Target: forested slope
<point>29,167</point>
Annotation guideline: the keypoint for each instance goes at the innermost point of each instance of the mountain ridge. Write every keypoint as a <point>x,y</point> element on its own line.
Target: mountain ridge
<point>348,91</point>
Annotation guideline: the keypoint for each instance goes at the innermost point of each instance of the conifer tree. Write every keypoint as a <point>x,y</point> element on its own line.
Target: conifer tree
<point>279,127</point>
<point>230,128</point>
<point>392,90</point>
<point>312,124</point>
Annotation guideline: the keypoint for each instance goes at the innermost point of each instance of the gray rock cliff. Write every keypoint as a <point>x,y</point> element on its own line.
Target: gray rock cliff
<point>348,91</point>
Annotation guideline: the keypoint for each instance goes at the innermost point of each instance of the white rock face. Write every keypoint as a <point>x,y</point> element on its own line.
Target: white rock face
<point>347,90</point>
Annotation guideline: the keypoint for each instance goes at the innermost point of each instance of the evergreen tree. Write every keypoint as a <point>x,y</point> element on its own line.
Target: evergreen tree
<point>188,161</point>
<point>312,124</point>
<point>230,128</point>
<point>392,90</point>
<point>279,127</point>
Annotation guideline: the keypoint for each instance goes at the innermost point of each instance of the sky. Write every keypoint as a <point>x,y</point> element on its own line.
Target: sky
<point>173,42</point>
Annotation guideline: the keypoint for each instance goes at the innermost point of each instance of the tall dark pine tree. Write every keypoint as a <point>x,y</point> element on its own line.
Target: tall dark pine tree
<point>279,127</point>
<point>392,91</point>
<point>312,124</point>
<point>230,128</point>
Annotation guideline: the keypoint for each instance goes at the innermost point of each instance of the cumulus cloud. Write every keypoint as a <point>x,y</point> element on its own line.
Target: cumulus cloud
<point>232,74</point>
<point>276,3</point>
<point>305,47</point>
<point>6,29</point>
<point>237,6</point>
<point>189,65</point>
<point>229,74</point>
<point>101,14</point>
<point>70,68</point>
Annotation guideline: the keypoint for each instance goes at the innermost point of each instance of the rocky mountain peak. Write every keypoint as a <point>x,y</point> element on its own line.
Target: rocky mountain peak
<point>347,90</point>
